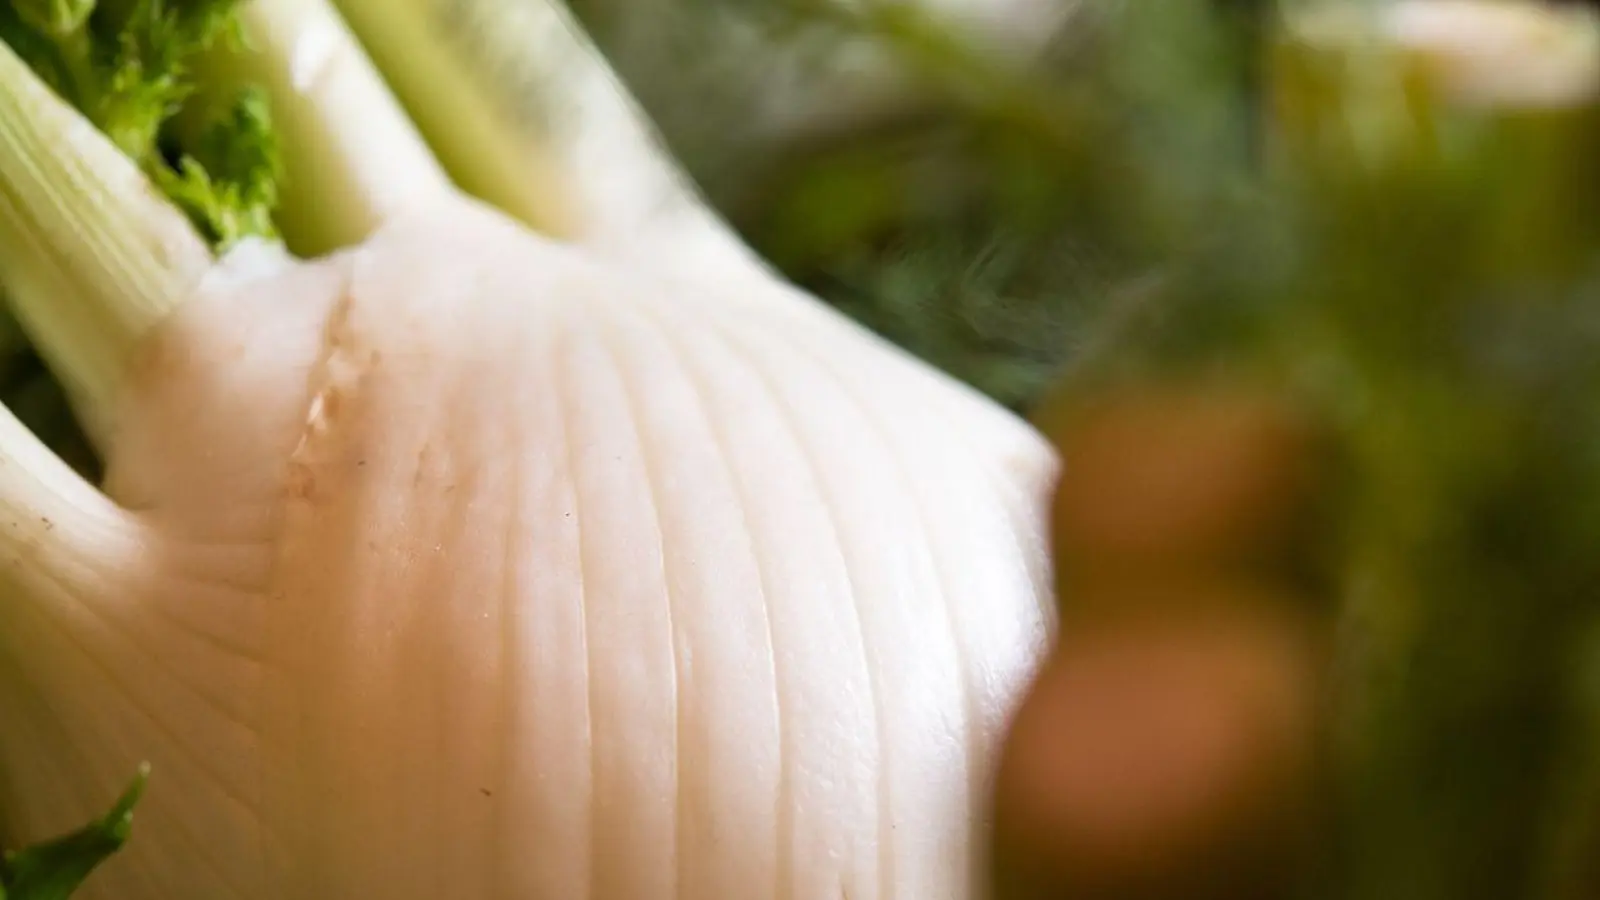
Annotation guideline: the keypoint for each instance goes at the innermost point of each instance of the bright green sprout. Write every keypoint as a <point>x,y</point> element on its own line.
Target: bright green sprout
<point>55,869</point>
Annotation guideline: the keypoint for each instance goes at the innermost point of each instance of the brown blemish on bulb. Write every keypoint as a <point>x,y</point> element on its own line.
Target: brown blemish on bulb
<point>423,460</point>
<point>338,373</point>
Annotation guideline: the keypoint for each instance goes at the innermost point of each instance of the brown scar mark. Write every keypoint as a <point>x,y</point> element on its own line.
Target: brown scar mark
<point>422,464</point>
<point>331,377</point>
<point>331,399</point>
<point>299,482</point>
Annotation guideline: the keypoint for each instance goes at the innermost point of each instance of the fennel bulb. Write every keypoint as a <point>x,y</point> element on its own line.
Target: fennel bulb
<point>452,559</point>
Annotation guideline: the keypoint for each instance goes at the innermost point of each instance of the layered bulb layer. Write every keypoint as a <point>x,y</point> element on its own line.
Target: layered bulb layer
<point>464,561</point>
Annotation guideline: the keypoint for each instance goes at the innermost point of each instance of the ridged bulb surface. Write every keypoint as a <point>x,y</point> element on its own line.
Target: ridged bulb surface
<point>464,564</point>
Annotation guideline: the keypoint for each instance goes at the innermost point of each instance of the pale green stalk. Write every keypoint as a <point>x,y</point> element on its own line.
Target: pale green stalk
<point>90,253</point>
<point>351,156</point>
<point>526,114</point>
<point>57,531</point>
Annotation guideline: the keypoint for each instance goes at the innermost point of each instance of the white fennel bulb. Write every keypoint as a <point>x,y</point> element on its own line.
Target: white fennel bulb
<point>461,560</point>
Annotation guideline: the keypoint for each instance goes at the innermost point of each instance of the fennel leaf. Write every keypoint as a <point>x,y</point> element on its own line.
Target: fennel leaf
<point>53,870</point>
